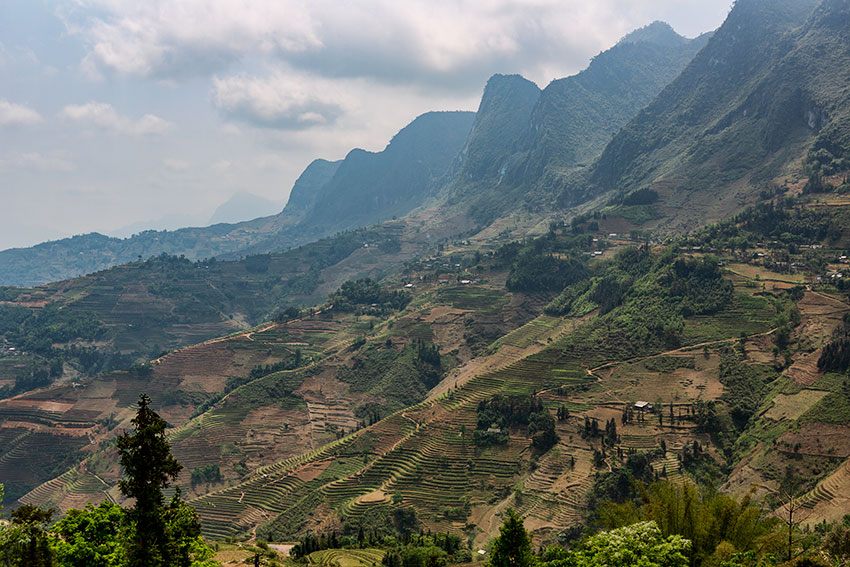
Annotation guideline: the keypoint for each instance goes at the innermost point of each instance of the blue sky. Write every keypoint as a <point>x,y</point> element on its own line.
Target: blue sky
<point>114,112</point>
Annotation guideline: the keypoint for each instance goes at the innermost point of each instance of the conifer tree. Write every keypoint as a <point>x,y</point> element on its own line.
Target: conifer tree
<point>512,548</point>
<point>145,456</point>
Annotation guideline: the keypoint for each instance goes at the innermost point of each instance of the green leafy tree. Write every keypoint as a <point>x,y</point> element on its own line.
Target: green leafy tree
<point>92,537</point>
<point>512,548</point>
<point>24,542</point>
<point>145,455</point>
<point>640,544</point>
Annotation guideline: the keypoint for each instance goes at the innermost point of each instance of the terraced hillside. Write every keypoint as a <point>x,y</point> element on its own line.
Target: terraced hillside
<point>241,402</point>
<point>425,458</point>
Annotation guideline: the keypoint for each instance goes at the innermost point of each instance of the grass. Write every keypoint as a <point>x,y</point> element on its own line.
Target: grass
<point>832,408</point>
<point>746,314</point>
<point>479,299</point>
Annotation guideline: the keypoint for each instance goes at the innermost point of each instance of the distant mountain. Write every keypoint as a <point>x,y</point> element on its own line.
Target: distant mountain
<point>173,221</point>
<point>244,206</point>
<point>328,197</point>
<point>771,85</point>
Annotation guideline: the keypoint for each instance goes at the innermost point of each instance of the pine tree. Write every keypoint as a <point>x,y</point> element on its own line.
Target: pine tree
<point>145,456</point>
<point>512,548</point>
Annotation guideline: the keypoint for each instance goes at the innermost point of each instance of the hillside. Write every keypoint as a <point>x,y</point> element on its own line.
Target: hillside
<point>683,316</point>
<point>766,93</point>
<point>372,187</point>
<point>345,432</point>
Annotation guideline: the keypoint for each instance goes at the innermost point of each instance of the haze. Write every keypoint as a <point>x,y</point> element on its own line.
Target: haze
<point>117,112</point>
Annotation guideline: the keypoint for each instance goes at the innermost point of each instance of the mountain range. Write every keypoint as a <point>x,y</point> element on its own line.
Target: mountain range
<point>633,275</point>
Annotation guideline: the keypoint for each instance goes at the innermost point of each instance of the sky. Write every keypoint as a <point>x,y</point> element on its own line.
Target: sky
<point>117,113</point>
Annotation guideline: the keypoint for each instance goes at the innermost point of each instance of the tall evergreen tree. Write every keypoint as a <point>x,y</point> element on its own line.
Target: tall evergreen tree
<point>512,548</point>
<point>145,455</point>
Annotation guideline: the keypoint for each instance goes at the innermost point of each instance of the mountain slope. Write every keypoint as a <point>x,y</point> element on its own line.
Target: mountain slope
<point>770,82</point>
<point>371,187</point>
<point>524,140</point>
<point>576,117</point>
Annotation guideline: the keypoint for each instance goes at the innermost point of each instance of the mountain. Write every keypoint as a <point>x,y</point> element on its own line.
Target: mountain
<point>242,207</point>
<point>370,187</point>
<point>769,90</point>
<point>553,371</point>
<point>306,189</point>
<point>328,197</point>
<point>577,116</point>
<point>525,140</point>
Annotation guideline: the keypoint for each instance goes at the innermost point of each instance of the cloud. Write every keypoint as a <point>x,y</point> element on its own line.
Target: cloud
<point>12,114</point>
<point>104,116</point>
<point>455,44</point>
<point>285,102</point>
<point>54,162</point>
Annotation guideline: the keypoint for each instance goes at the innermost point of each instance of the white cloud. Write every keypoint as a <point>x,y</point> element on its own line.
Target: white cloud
<point>105,116</point>
<point>283,101</point>
<point>34,161</point>
<point>12,114</point>
<point>453,43</point>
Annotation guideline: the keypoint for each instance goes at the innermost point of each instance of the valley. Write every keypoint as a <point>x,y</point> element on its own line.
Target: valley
<point>580,304</point>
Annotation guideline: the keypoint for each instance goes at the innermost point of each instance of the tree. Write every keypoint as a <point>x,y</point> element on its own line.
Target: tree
<point>24,542</point>
<point>145,455</point>
<point>92,537</point>
<point>512,548</point>
<point>638,544</point>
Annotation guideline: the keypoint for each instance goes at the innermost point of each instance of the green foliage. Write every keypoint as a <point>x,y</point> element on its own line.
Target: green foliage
<point>367,297</point>
<point>563,304</point>
<point>145,456</point>
<point>24,542</point>
<point>712,522</point>
<point>399,377</point>
<point>745,385</point>
<point>92,537</point>
<point>642,544</point>
<point>498,414</point>
<point>206,473</point>
<point>512,547</point>
<point>537,272</point>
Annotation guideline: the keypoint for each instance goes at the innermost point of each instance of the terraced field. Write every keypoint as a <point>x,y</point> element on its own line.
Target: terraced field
<point>346,557</point>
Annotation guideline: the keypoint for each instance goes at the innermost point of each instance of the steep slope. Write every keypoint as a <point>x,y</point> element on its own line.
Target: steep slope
<point>770,82</point>
<point>500,123</point>
<point>524,140</point>
<point>577,116</point>
<point>306,189</point>
<point>371,187</point>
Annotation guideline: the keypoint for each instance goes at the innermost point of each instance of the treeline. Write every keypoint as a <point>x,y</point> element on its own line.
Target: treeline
<point>547,263</point>
<point>835,356</point>
<point>365,296</point>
